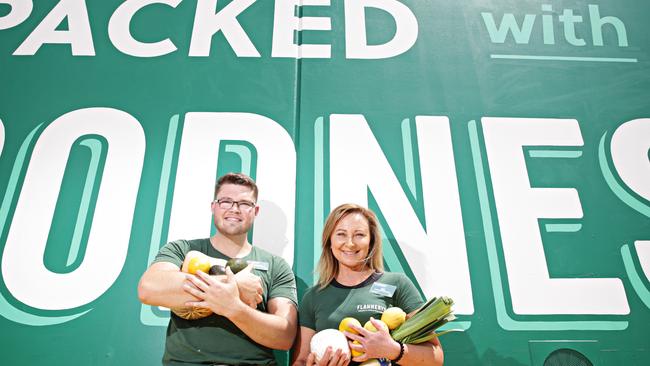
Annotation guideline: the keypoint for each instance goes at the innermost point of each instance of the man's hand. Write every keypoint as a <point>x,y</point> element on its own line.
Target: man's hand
<point>250,287</point>
<point>220,295</point>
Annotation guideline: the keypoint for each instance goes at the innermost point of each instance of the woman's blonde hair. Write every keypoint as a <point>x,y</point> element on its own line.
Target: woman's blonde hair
<point>328,266</point>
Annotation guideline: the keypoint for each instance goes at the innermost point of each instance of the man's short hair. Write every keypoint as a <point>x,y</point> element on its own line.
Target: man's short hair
<point>237,179</point>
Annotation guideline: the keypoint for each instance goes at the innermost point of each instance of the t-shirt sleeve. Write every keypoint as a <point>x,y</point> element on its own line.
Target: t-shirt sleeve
<point>306,311</point>
<point>284,282</point>
<point>173,252</point>
<point>408,297</point>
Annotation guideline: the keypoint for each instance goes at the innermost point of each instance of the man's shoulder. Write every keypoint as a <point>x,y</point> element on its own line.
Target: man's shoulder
<point>196,241</point>
<point>267,256</point>
<point>192,244</point>
<point>174,251</point>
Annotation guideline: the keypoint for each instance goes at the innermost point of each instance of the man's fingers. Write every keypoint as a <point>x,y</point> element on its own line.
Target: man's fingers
<point>230,275</point>
<point>205,277</point>
<point>198,304</point>
<point>197,282</point>
<point>248,269</point>
<point>193,291</point>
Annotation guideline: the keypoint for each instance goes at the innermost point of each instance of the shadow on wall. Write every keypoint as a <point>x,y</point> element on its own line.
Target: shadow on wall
<point>460,350</point>
<point>271,227</point>
<point>491,357</point>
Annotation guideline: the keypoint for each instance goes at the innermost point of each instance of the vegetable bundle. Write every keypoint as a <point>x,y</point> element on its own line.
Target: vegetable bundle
<point>421,327</point>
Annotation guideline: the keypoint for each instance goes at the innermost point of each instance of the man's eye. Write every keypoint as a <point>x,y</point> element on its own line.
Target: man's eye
<point>246,204</point>
<point>225,204</point>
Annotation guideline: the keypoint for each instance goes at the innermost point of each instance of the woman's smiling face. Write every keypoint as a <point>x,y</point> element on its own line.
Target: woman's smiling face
<point>350,241</point>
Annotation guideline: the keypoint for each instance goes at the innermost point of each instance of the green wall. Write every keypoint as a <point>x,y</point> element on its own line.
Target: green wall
<point>503,144</point>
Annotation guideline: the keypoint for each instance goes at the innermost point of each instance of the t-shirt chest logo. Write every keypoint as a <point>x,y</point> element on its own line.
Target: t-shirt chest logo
<point>375,308</point>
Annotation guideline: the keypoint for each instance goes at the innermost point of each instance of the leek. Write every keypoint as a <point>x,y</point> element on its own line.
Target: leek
<point>421,327</point>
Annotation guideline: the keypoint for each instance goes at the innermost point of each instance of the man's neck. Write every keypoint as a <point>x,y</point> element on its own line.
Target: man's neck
<point>231,246</point>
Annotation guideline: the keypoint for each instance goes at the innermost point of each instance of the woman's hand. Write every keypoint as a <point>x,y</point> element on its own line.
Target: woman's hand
<point>329,358</point>
<point>377,344</point>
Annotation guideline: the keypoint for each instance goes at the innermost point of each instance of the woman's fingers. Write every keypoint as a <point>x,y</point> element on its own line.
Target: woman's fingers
<point>379,325</point>
<point>344,359</point>
<point>360,330</point>
<point>311,359</point>
<point>356,346</point>
<point>334,359</point>
<point>324,361</point>
<point>352,336</point>
<point>330,358</point>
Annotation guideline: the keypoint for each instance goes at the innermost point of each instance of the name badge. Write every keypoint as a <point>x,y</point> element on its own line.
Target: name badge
<point>262,266</point>
<point>382,289</point>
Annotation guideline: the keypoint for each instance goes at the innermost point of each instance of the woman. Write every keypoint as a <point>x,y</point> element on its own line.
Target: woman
<point>352,284</point>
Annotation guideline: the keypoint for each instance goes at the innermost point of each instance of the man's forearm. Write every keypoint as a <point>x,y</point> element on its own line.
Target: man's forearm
<point>164,288</point>
<point>271,330</point>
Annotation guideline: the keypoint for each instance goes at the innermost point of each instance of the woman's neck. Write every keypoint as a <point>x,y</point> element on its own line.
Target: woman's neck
<point>352,277</point>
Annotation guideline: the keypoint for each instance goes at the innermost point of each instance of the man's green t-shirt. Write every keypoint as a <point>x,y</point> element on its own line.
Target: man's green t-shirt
<point>215,339</point>
<point>324,309</point>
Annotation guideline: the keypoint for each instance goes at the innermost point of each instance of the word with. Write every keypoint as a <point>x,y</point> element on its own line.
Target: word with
<point>521,33</point>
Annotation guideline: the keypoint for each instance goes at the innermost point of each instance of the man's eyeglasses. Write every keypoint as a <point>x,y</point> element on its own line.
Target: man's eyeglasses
<point>227,204</point>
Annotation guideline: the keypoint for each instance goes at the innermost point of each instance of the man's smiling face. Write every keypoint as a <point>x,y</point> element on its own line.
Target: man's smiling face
<point>238,219</point>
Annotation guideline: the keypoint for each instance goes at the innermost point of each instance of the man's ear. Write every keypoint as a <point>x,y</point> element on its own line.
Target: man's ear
<point>257,209</point>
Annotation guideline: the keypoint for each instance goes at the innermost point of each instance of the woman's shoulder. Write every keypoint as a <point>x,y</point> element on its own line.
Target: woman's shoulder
<point>394,277</point>
<point>315,289</point>
<point>309,296</point>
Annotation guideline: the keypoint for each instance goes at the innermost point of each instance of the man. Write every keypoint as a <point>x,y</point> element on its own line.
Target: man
<point>254,311</point>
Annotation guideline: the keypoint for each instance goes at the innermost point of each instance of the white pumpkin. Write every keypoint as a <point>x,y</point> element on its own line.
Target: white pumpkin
<point>328,338</point>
